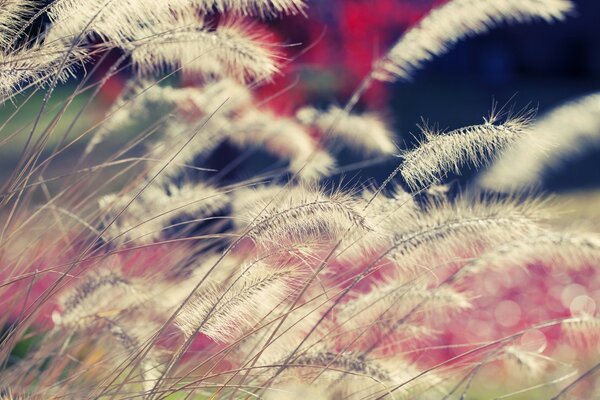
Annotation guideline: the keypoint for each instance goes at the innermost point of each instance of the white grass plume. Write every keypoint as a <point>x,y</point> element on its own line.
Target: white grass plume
<point>385,215</point>
<point>166,36</point>
<point>177,138</point>
<point>225,311</point>
<point>137,103</point>
<point>115,21</point>
<point>202,118</point>
<point>456,20</point>
<point>583,330</point>
<point>440,154</point>
<point>13,14</point>
<point>446,227</point>
<point>521,361</point>
<point>562,133</point>
<point>391,213</point>
<point>358,235</point>
<point>240,51</point>
<point>365,132</point>
<point>102,292</point>
<point>170,294</point>
<point>284,138</point>
<point>564,250</point>
<point>389,302</point>
<point>350,374</point>
<point>142,98</point>
<point>132,334</point>
<point>38,64</point>
<point>259,8</point>
<point>305,214</point>
<point>341,373</point>
<point>317,361</point>
<point>225,95</point>
<point>207,112</point>
<point>151,212</point>
<point>122,20</point>
<point>246,202</point>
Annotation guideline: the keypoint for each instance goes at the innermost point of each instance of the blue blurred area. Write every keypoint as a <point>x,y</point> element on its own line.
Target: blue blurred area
<point>565,49</point>
<point>536,65</point>
<point>533,65</point>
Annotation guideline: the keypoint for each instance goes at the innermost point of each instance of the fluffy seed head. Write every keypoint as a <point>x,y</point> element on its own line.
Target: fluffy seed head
<point>365,132</point>
<point>564,132</point>
<point>224,311</point>
<point>456,20</point>
<point>439,154</point>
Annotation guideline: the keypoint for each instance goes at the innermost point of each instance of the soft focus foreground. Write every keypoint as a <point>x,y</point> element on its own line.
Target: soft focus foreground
<point>177,223</point>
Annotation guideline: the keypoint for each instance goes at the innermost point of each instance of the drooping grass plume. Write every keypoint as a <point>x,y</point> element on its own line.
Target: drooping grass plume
<point>532,364</point>
<point>185,142</point>
<point>306,214</point>
<point>364,132</point>
<point>39,64</point>
<point>440,154</point>
<point>121,20</point>
<point>340,362</point>
<point>225,311</point>
<point>260,8</point>
<point>456,20</point>
<point>236,47</point>
<point>132,335</point>
<point>151,213</point>
<point>219,113</point>
<point>185,276</point>
<point>393,211</point>
<point>561,134</point>
<point>167,36</point>
<point>117,21</point>
<point>248,203</point>
<point>102,292</point>
<point>352,374</point>
<point>13,14</point>
<point>569,250</point>
<point>386,215</point>
<point>446,227</point>
<point>225,96</point>
<point>284,138</point>
<point>143,99</point>
<point>583,330</point>
<point>389,302</point>
<point>137,102</point>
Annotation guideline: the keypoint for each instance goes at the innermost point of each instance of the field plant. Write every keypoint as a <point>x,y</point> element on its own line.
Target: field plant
<point>212,255</point>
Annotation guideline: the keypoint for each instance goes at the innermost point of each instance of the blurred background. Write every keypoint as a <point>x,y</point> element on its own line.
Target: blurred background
<point>531,65</point>
<point>534,65</point>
